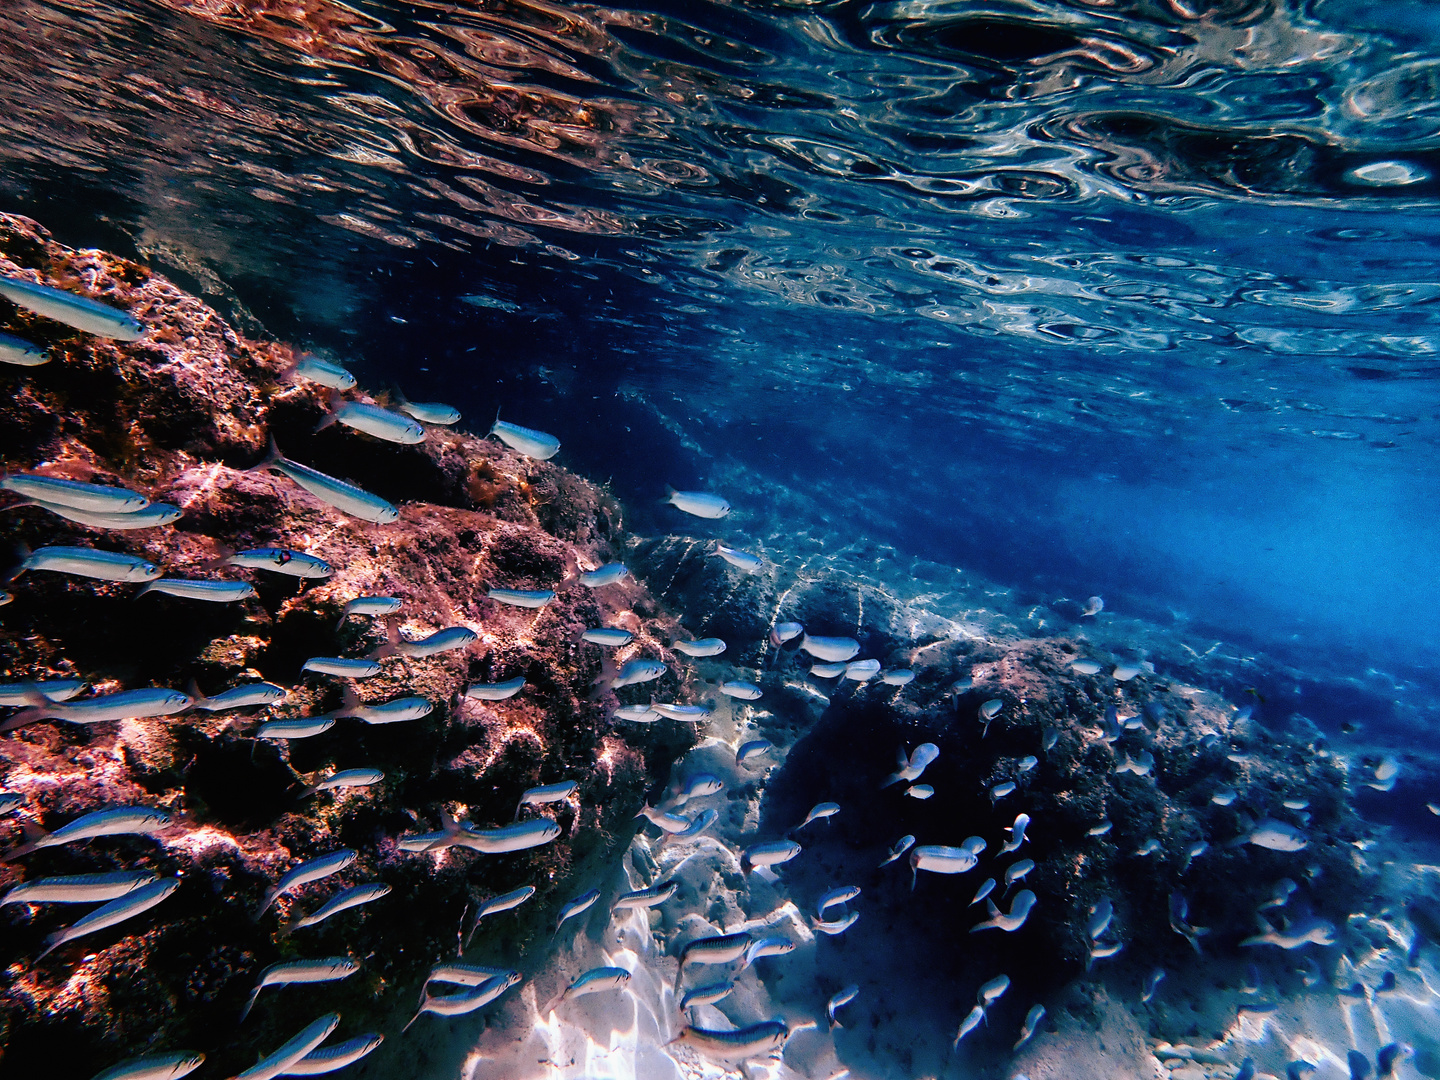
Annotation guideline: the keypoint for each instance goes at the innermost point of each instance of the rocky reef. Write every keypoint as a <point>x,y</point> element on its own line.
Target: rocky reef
<point>179,415</point>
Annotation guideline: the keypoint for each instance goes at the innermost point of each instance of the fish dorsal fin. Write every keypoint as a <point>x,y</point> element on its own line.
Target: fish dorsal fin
<point>902,759</point>
<point>990,906</point>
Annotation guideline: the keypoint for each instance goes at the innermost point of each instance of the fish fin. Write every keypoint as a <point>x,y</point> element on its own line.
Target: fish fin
<point>349,701</point>
<point>23,717</point>
<point>53,942</point>
<point>22,555</point>
<point>250,1004</point>
<point>146,589</point>
<point>272,456</point>
<point>17,851</point>
<point>193,689</point>
<point>270,897</point>
<point>305,794</point>
<point>412,1020</point>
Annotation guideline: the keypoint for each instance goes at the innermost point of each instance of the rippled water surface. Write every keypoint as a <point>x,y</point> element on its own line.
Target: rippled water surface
<point>1133,297</point>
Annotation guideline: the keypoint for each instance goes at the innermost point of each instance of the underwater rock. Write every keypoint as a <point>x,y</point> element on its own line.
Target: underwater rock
<point>178,415</point>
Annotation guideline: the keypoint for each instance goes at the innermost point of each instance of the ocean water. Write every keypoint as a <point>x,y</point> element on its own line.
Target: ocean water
<point>985,308</point>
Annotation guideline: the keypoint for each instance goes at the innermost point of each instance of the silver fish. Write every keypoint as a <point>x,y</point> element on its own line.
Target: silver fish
<point>1017,834</point>
<point>688,713</point>
<point>429,412</point>
<point>330,969</point>
<point>1280,894</point>
<point>79,312</point>
<point>150,517</point>
<point>785,631</point>
<point>244,696</point>
<point>23,693</point>
<point>155,1067</point>
<point>1085,667</point>
<point>373,605</point>
<point>766,946</point>
<point>1102,952</point>
<point>277,1063</point>
<point>1025,764</point>
<point>387,712</point>
<point>116,911</point>
<point>1027,1029</point>
<point>1149,847</point>
<point>999,791</point>
<point>992,991</point>
<point>287,562</point>
<point>495,691</point>
<point>1016,871</point>
<point>839,926</point>
<point>757,1040</point>
<point>122,821</point>
<point>347,498</point>
<point>1140,766</point>
<point>636,714</point>
<point>595,981</point>
<point>742,691</point>
<point>441,641</point>
<point>751,750</point>
<point>526,598</point>
<point>969,1024</point>
<point>664,820</point>
<point>97,498</point>
<point>527,441</point>
<point>342,901</point>
<point>1192,852</point>
<point>825,810</point>
<point>1093,606</point>
<point>710,646</point>
<point>79,888</point>
<point>341,666</point>
<point>920,791</point>
<point>21,353</point>
<point>373,420</point>
<point>1099,920</point>
<point>1309,931</point>
<point>327,1059</point>
<point>219,592</point>
<point>345,778</point>
<point>304,873</point>
<point>706,995</point>
<point>546,793</point>
<point>1152,981</point>
<point>505,902</point>
<point>698,824</point>
<point>986,888</point>
<point>103,708</point>
<point>460,1004</point>
<point>699,786</point>
<point>841,894</point>
<point>324,372</point>
<point>862,670</point>
<point>519,837</point>
<point>609,574</point>
<point>1277,836</point>
<point>577,907</point>
<point>718,949</point>
<point>645,898</point>
<point>1019,912</point>
<point>843,997</point>
<point>87,562</point>
<point>832,649</point>
<point>913,765</point>
<point>741,560</point>
<point>904,844</point>
<point>897,677</point>
<point>940,859</point>
<point>701,504</point>
<point>770,853</point>
<point>305,727</point>
<point>608,636</point>
<point>458,974</point>
<point>635,671</point>
<point>1101,829</point>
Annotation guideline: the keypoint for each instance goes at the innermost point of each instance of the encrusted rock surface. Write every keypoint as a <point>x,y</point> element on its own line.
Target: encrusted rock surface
<point>178,415</point>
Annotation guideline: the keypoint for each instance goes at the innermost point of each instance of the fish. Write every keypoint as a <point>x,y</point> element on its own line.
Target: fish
<point>831,649</point>
<point>639,670</point>
<point>1224,797</point>
<point>304,873</point>
<point>913,765</point>
<point>636,714</point>
<point>1017,834</point>
<point>1179,913</point>
<point>707,995</point>
<point>1386,774</point>
<point>1049,736</point>
<point>1016,871</point>
<point>370,605</point>
<point>524,440</point>
<point>484,301</point>
<point>577,907</point>
<point>940,859</point>
<point>992,991</point>
<point>1028,1028</point>
<point>116,911</point>
<point>1295,804</point>
<point>324,372</point>
<point>125,705</point>
<point>1280,894</point>
<point>11,800</point>
<point>1099,920</point>
<point>330,969</point>
<point>1019,912</point>
<point>609,574</point>
<point>769,853</point>
<point>219,592</point>
<point>1093,606</point>
<point>904,844</point>
<point>373,420</point>
<point>756,1040</point>
<point>89,563</point>
<point>824,810</point>
<point>345,778</point>
<point>986,888</point>
<point>495,691</point>
<point>386,712</point>
<point>244,696</point>
<point>897,677</point>
<point>341,666</point>
<point>79,888</point>
<point>862,670</point>
<point>752,749</point>
<point>155,1067</point>
<point>999,791</point>
<point>279,1062</point>
<point>839,926</point>
<point>151,517</point>
<point>828,671</point>
<point>467,1002</point>
<point>341,901</point>
<point>458,974</point>
<point>700,504</point>
<point>328,1059</point>
<point>785,631</point>
<point>1276,836</point>
<point>546,793</point>
<point>1309,931</point>
<point>717,949</point>
<point>1101,829</point>
<point>1193,852</point>
<point>305,727</point>
<point>23,693</point>
<point>518,837</point>
<point>975,845</point>
<point>671,711</point>
<point>1102,952</point>
<point>21,353</point>
<point>347,498</point>
<point>840,894</point>
<point>741,560</point>
<point>920,791</point>
<point>428,412</point>
<point>711,646</point>
<point>302,565</point>
<point>1084,667</point>
<point>1111,726</point>
<point>1149,847</point>
<point>450,639</point>
<point>121,821</point>
<point>1126,672</point>
<point>505,902</point>
<point>1152,982</point>
<point>1025,764</point>
<point>595,981</point>
<point>1140,766</point>
<point>645,898</point>
<point>842,997</point>
<point>607,636</point>
<point>741,691</point>
<point>969,1024</point>
<point>78,312</point>
<point>766,946</point>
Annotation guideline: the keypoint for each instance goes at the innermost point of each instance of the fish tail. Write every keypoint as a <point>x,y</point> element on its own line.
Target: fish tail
<point>311,790</point>
<point>53,942</point>
<point>272,457</point>
<point>382,652</point>
<point>254,996</point>
<point>19,850</point>
<point>270,895</point>
<point>22,556</point>
<point>349,702</point>
<point>23,717</point>
<point>146,589</point>
<point>336,400</point>
<point>412,1020</point>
